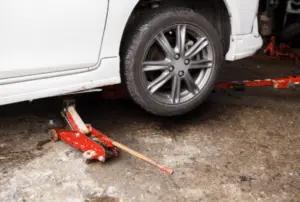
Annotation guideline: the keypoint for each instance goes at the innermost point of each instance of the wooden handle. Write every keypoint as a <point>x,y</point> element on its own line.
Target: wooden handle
<point>143,157</point>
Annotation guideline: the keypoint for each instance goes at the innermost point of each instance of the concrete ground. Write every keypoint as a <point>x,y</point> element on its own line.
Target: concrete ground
<point>238,146</point>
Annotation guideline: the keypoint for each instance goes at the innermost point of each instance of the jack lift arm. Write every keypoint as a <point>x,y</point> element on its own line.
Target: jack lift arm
<point>94,144</point>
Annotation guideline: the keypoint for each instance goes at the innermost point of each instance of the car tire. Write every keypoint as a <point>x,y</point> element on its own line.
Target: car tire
<point>148,33</point>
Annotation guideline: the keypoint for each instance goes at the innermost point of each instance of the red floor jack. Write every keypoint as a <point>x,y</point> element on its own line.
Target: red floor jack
<point>94,144</point>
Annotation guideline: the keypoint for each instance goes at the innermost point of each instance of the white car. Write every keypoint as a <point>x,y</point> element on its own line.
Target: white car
<point>167,52</point>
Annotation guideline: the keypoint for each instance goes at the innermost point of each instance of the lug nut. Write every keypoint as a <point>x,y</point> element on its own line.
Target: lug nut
<point>187,62</point>
<point>177,56</point>
<point>181,73</point>
<point>171,68</point>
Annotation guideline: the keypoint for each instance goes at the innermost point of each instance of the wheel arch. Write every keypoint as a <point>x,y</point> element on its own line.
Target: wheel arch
<point>216,11</point>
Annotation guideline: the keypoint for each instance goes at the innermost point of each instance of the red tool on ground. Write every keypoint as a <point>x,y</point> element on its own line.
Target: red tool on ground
<point>281,51</point>
<point>278,83</point>
<point>94,144</point>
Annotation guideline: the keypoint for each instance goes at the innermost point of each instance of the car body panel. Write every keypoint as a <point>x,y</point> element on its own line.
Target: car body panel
<point>82,68</point>
<point>45,36</point>
<point>243,14</point>
<point>62,85</point>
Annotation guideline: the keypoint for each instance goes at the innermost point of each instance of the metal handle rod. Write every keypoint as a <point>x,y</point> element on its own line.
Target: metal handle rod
<point>143,157</point>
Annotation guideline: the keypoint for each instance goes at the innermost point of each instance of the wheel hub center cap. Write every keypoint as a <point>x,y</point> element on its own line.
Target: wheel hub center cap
<point>180,65</point>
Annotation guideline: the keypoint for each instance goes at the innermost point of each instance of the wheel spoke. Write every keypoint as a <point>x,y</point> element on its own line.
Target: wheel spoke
<point>159,82</point>
<point>165,45</point>
<point>191,85</point>
<point>155,65</point>
<point>176,87</point>
<point>180,38</point>
<point>177,65</point>
<point>201,64</point>
<point>197,47</point>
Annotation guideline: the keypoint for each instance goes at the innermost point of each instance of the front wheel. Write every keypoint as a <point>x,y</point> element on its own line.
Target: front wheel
<point>171,61</point>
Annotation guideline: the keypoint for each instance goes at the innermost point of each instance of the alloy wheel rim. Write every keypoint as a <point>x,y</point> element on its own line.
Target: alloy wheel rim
<point>178,64</point>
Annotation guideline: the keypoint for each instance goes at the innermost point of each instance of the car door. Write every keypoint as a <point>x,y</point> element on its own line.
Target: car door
<point>42,37</point>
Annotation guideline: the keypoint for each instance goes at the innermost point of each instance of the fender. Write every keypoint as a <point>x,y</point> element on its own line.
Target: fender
<point>242,16</point>
<point>119,13</point>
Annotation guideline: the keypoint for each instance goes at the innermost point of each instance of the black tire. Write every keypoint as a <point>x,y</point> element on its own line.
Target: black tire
<point>135,45</point>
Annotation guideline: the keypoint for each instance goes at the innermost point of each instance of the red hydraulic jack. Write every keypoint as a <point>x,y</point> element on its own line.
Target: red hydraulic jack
<point>94,144</point>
